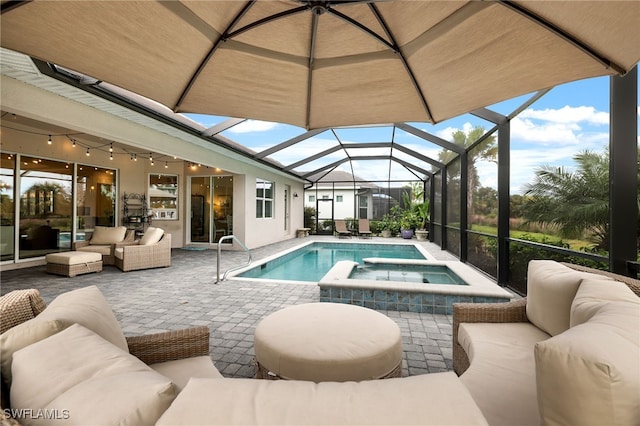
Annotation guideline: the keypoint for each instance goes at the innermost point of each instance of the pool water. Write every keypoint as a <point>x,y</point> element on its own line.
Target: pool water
<point>427,274</point>
<point>313,261</point>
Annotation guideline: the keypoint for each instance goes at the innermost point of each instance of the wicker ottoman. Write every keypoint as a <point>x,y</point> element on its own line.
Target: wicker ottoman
<point>72,263</point>
<point>328,342</point>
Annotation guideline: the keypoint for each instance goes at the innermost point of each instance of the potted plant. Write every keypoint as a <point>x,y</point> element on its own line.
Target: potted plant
<point>422,212</point>
<point>408,223</point>
<point>390,222</point>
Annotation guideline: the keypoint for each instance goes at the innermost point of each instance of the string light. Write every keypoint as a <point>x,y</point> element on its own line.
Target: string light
<point>151,157</point>
<point>74,142</point>
<point>111,156</point>
<point>111,148</point>
<point>49,141</point>
<point>88,153</point>
<point>166,164</point>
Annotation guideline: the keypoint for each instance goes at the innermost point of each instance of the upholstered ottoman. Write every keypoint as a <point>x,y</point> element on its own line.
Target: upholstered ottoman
<point>72,263</point>
<point>328,342</point>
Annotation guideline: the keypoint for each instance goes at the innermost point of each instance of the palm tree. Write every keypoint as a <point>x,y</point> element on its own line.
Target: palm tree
<point>573,202</point>
<point>487,151</point>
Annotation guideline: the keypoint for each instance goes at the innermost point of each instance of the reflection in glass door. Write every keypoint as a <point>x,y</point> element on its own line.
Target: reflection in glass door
<point>211,208</point>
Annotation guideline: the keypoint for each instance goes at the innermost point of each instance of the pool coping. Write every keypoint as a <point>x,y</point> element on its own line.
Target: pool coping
<point>479,285</point>
<point>234,275</point>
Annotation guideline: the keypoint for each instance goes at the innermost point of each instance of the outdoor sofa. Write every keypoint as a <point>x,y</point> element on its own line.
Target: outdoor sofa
<point>103,240</point>
<point>568,357</point>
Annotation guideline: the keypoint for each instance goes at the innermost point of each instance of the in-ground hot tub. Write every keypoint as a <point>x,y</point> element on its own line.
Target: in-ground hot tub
<point>385,287</point>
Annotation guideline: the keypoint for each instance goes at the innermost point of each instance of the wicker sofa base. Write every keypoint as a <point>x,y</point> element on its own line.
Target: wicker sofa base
<point>73,270</point>
<point>264,373</point>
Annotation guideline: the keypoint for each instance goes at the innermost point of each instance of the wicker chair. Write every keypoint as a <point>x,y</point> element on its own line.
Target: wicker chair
<point>19,306</point>
<point>134,256</point>
<point>514,311</point>
<point>107,259</point>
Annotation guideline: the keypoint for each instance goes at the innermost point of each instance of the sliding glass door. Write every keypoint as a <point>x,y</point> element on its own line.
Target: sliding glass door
<point>211,208</point>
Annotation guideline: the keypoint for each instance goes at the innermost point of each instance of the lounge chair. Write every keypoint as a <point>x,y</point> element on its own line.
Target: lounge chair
<point>341,229</point>
<point>363,228</point>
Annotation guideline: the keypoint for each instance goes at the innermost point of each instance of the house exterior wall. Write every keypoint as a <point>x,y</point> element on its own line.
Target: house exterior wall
<point>32,102</point>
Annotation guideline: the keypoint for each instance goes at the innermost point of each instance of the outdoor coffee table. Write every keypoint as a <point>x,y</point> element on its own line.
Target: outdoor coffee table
<point>328,342</point>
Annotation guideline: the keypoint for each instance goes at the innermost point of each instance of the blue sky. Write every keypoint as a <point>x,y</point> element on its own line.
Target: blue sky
<point>569,119</point>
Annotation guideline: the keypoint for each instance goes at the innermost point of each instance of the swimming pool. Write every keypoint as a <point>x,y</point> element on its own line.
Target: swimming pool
<point>312,261</point>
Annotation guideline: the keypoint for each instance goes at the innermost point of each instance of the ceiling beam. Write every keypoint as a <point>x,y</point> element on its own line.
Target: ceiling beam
<point>221,127</point>
<point>289,142</point>
<point>431,138</point>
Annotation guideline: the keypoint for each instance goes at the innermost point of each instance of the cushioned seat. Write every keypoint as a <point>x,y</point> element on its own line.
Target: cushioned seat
<point>434,399</point>
<point>328,342</point>
<point>72,263</point>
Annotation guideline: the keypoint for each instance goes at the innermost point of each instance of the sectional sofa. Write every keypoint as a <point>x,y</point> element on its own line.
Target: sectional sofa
<point>568,354</point>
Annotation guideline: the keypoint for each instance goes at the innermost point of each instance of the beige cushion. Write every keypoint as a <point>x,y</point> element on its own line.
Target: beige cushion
<point>592,293</point>
<point>181,370</point>
<point>118,253</point>
<point>20,336</point>
<point>73,257</point>
<point>88,307</point>
<point>590,374</point>
<point>551,288</point>
<point>104,250</point>
<point>438,399</point>
<point>328,342</point>
<point>151,236</point>
<point>107,235</point>
<point>501,378</point>
<point>95,382</point>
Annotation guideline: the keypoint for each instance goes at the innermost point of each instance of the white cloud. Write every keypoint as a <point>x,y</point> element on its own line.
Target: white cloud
<point>251,126</point>
<point>447,133</point>
<point>569,115</point>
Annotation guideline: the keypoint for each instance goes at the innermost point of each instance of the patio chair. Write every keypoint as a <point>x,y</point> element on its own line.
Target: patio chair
<point>153,250</point>
<point>363,228</point>
<point>341,229</point>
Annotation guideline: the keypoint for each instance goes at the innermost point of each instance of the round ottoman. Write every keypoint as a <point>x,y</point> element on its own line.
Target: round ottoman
<point>328,342</point>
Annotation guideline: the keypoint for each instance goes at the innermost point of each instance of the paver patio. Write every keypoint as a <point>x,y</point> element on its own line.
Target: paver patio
<point>186,295</point>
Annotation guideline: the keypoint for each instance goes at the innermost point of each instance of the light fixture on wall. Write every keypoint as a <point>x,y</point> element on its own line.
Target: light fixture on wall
<point>295,195</point>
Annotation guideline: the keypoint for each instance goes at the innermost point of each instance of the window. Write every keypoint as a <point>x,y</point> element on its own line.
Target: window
<point>312,198</point>
<point>325,197</point>
<point>264,198</point>
<point>338,198</point>
<point>163,196</point>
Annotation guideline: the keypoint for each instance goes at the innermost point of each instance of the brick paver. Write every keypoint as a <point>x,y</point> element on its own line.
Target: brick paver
<point>186,295</point>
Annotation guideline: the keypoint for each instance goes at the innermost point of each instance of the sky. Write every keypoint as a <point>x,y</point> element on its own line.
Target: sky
<point>569,119</point>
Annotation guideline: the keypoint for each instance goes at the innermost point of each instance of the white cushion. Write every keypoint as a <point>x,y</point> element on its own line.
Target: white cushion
<point>107,234</point>
<point>438,399</point>
<point>349,343</point>
<point>590,374</point>
<point>118,253</point>
<point>502,378</point>
<point>151,236</point>
<point>104,250</point>
<point>592,293</point>
<point>78,372</point>
<point>551,288</point>
<point>20,336</point>
<point>88,307</point>
<point>73,257</point>
<point>181,370</point>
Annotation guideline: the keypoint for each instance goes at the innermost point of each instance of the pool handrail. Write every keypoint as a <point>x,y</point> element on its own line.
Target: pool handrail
<point>230,237</point>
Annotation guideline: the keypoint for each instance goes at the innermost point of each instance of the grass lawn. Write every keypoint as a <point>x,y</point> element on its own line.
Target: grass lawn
<point>577,245</point>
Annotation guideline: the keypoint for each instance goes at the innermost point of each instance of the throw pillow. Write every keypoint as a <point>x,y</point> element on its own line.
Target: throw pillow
<point>590,374</point>
<point>107,234</point>
<point>79,376</point>
<point>20,336</point>
<point>151,236</point>
<point>592,296</point>
<point>551,288</point>
<point>88,307</point>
